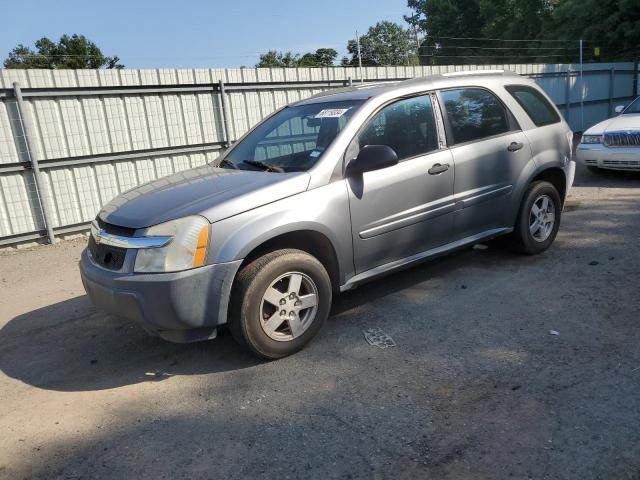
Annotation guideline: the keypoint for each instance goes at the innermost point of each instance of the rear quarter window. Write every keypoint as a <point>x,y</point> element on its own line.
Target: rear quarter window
<point>533,102</point>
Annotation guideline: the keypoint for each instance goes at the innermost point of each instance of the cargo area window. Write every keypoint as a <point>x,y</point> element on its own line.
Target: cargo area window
<point>533,102</point>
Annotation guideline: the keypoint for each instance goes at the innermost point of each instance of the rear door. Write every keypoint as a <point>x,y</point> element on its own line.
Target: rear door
<point>489,152</point>
<point>406,208</point>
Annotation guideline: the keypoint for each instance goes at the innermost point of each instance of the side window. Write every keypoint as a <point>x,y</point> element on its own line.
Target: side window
<point>534,103</point>
<point>474,113</point>
<point>408,126</point>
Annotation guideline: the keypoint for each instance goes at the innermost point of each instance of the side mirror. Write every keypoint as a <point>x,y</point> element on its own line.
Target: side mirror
<point>619,108</point>
<point>372,157</point>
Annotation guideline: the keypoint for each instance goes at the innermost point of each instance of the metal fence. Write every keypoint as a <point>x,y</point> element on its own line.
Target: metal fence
<point>77,138</point>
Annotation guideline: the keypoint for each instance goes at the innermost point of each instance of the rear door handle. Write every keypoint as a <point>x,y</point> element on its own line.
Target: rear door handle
<point>515,146</point>
<point>438,168</point>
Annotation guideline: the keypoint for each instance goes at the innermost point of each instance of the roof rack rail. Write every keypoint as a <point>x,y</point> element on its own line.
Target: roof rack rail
<point>360,85</point>
<point>475,72</point>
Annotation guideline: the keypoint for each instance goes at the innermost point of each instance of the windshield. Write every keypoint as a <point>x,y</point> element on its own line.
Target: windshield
<point>293,139</point>
<point>634,107</point>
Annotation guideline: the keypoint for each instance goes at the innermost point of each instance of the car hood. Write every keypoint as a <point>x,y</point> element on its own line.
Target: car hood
<point>215,193</point>
<point>615,124</point>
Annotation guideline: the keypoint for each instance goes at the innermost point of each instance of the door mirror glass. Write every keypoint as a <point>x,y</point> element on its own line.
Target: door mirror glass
<point>619,108</point>
<point>372,157</point>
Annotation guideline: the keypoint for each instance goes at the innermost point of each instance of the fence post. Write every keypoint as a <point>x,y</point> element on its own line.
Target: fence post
<point>635,79</point>
<point>612,74</point>
<point>350,82</point>
<point>567,97</point>
<point>225,118</point>
<point>44,204</point>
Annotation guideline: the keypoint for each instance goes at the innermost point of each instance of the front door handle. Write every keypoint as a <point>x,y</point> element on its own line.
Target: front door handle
<point>515,146</point>
<point>438,168</point>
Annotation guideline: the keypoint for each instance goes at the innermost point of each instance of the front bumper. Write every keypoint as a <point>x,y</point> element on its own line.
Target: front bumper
<point>613,158</point>
<point>180,307</point>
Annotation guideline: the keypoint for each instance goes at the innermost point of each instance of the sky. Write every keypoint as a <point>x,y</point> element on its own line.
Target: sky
<point>195,33</point>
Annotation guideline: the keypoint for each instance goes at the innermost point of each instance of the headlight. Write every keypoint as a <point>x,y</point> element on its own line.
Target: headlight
<point>187,249</point>
<point>591,139</point>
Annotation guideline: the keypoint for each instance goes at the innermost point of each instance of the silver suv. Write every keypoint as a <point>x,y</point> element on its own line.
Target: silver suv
<point>328,193</point>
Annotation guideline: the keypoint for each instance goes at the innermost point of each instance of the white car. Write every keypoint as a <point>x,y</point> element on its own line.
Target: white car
<point>613,143</point>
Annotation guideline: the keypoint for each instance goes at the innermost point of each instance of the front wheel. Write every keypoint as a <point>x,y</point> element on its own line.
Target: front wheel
<point>539,218</point>
<point>279,303</point>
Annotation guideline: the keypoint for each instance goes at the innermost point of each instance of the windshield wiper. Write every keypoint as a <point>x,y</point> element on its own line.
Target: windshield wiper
<point>265,166</point>
<point>227,162</point>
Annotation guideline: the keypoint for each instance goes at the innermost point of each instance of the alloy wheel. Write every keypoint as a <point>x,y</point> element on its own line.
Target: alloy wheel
<point>289,306</point>
<point>542,218</point>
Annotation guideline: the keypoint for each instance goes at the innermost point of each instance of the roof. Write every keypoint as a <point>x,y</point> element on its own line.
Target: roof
<point>364,91</point>
<point>360,91</point>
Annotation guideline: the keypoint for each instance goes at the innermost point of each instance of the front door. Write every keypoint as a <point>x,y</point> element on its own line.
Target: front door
<point>407,208</point>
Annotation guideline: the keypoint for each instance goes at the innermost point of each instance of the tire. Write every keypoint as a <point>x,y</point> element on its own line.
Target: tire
<point>532,232</point>
<point>257,323</point>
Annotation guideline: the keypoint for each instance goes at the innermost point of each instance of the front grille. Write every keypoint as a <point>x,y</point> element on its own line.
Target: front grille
<point>622,139</point>
<point>622,163</point>
<point>115,229</point>
<point>111,258</point>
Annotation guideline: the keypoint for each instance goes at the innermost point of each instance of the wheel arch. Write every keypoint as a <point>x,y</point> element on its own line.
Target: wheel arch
<point>310,241</point>
<point>556,177</point>
<point>552,174</point>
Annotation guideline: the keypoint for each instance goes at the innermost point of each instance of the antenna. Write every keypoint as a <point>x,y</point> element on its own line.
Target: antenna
<point>359,57</point>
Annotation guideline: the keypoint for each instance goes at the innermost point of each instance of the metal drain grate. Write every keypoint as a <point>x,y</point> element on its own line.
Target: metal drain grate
<point>377,338</point>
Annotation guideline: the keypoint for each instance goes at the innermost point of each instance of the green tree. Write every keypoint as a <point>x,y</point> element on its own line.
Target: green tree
<point>485,31</point>
<point>74,51</point>
<point>520,20</point>
<point>386,43</point>
<point>514,19</point>
<point>322,57</point>
<point>612,25</point>
<point>441,20</point>
<point>273,58</point>
<point>446,18</point>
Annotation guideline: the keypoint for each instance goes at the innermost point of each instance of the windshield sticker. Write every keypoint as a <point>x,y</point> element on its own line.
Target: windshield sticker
<point>315,153</point>
<point>331,113</point>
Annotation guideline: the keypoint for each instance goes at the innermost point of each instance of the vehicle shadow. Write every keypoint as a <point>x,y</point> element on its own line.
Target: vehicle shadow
<point>73,346</point>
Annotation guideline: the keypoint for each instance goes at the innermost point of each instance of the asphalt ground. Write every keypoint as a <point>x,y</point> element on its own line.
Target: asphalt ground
<point>478,384</point>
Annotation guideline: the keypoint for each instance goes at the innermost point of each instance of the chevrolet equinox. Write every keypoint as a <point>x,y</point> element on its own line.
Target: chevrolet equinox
<point>328,193</point>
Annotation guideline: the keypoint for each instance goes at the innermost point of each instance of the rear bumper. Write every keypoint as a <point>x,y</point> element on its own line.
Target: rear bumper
<point>570,174</point>
<point>181,307</point>
<point>617,158</point>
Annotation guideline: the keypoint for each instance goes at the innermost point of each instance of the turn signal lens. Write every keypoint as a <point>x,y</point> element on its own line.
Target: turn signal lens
<point>201,248</point>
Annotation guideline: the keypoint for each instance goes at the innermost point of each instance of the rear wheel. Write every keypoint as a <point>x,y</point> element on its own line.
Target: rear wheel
<point>539,218</point>
<point>279,303</point>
